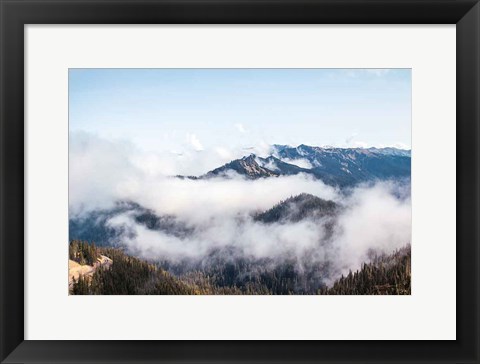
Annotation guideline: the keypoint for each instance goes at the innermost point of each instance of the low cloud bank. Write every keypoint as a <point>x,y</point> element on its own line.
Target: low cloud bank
<point>219,212</point>
<point>104,172</point>
<point>371,220</point>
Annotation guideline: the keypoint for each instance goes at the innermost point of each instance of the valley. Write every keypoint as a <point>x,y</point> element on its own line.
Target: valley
<point>351,237</point>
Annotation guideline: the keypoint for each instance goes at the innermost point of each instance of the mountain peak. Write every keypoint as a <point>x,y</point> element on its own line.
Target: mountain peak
<point>250,158</point>
<point>246,166</point>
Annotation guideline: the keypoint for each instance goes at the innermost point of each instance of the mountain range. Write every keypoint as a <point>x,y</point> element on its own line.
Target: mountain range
<point>334,166</point>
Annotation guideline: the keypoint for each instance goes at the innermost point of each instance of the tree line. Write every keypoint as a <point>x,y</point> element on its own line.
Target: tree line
<point>127,275</point>
<point>385,275</point>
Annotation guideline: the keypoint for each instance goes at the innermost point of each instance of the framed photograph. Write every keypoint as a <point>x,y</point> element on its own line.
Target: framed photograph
<point>240,191</point>
<point>239,181</point>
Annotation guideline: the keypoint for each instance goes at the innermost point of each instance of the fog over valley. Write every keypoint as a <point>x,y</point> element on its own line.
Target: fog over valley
<point>153,208</point>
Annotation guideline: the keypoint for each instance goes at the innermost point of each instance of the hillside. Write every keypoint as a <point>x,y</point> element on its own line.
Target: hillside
<point>94,226</point>
<point>298,208</point>
<point>385,274</point>
<point>125,275</point>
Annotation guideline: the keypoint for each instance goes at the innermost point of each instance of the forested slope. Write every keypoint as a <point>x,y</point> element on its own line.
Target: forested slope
<point>127,275</point>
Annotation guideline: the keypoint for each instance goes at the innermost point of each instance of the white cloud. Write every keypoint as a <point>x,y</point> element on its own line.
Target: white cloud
<point>373,219</point>
<point>302,163</point>
<point>401,146</point>
<point>359,144</point>
<point>104,171</point>
<point>350,138</point>
<point>194,142</point>
<point>271,165</point>
<point>240,128</point>
<point>202,200</point>
<point>98,170</point>
<point>224,153</point>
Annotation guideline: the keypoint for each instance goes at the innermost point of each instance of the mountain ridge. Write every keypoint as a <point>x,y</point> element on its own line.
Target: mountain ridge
<point>335,166</point>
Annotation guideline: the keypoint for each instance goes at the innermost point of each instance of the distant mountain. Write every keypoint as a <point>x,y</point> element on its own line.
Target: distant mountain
<point>334,166</point>
<point>348,166</point>
<point>297,208</point>
<point>247,166</point>
<point>308,151</point>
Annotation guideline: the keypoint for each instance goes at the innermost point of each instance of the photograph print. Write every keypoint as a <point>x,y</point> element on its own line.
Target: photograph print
<point>239,182</point>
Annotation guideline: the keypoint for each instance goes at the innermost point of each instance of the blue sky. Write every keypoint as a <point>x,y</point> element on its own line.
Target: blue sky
<point>175,109</point>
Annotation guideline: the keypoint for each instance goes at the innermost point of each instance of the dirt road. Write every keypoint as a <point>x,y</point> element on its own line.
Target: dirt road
<point>75,269</point>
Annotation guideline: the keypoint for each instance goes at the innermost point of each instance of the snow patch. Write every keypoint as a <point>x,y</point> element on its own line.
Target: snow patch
<point>302,162</point>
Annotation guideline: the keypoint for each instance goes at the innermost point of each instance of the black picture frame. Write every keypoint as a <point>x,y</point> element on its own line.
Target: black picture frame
<point>16,13</point>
